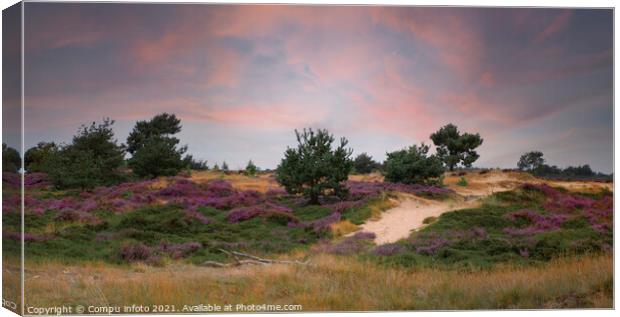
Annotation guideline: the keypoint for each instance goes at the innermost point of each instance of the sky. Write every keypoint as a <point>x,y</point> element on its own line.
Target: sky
<point>242,78</point>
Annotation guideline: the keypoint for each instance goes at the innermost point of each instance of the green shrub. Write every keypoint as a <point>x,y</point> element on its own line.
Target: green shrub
<point>155,152</point>
<point>315,167</point>
<point>92,159</point>
<point>11,160</point>
<point>157,157</point>
<point>413,166</point>
<point>462,181</point>
<point>364,164</point>
<point>429,220</point>
<point>251,169</point>
<point>35,157</point>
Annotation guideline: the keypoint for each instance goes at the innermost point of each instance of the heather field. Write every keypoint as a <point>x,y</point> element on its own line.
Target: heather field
<point>244,158</point>
<point>149,242</point>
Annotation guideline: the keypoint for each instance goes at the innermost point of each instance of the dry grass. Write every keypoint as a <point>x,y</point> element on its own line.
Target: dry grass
<point>496,180</point>
<point>330,283</point>
<point>372,177</point>
<point>343,227</point>
<point>261,182</point>
<point>11,285</point>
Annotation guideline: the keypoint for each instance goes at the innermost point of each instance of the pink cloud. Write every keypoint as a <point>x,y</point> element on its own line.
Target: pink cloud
<point>559,23</point>
<point>458,43</point>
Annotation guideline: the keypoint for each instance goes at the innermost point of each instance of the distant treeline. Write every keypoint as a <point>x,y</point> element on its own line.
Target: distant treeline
<point>317,166</point>
<point>535,163</point>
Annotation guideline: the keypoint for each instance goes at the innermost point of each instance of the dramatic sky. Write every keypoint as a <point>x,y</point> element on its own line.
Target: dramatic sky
<point>242,78</point>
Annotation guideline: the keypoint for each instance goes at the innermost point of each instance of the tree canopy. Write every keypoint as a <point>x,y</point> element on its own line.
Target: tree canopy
<point>317,166</point>
<point>92,159</point>
<point>454,148</point>
<point>531,161</point>
<point>35,157</point>
<point>155,151</point>
<point>11,160</point>
<point>161,125</point>
<point>413,166</point>
<point>251,169</point>
<point>364,164</point>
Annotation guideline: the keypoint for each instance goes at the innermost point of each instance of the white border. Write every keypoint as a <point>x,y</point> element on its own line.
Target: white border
<point>483,3</point>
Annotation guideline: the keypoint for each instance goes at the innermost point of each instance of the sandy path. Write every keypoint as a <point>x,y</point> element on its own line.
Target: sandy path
<point>398,222</point>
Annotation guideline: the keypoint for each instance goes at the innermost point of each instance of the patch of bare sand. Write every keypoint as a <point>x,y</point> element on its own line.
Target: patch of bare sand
<point>398,222</point>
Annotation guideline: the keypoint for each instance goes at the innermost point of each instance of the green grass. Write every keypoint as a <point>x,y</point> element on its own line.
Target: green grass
<point>75,241</point>
<point>472,253</point>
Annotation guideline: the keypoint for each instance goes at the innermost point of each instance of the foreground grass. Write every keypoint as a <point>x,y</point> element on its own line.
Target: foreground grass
<point>329,283</point>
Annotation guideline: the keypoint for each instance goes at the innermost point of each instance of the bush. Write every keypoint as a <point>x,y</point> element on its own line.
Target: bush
<point>251,169</point>
<point>462,181</point>
<point>11,160</point>
<point>92,159</point>
<point>413,166</point>
<point>36,157</point>
<point>134,252</point>
<point>157,157</point>
<point>315,168</point>
<point>154,150</point>
<point>364,164</point>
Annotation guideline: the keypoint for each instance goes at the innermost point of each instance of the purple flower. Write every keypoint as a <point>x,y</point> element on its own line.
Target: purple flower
<point>135,252</point>
<point>179,250</point>
<point>245,213</point>
<point>357,243</point>
<point>28,237</point>
<point>389,249</point>
<point>195,215</point>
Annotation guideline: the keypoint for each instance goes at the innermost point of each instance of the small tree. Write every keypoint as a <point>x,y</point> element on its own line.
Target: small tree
<point>216,167</point>
<point>224,166</point>
<point>251,169</point>
<point>161,125</point>
<point>454,148</point>
<point>36,156</point>
<point>92,159</point>
<point>155,151</point>
<point>413,166</point>
<point>157,157</point>
<point>364,164</point>
<point>11,160</point>
<point>70,168</point>
<point>315,167</point>
<point>531,161</point>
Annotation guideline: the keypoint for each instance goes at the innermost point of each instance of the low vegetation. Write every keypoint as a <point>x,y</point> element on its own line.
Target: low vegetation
<point>535,223</point>
<point>329,283</point>
<point>153,219</point>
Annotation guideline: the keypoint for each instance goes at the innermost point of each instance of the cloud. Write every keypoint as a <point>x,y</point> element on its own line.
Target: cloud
<point>558,24</point>
<point>397,73</point>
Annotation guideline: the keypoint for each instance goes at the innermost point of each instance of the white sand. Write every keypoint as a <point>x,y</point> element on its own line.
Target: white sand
<point>398,222</point>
